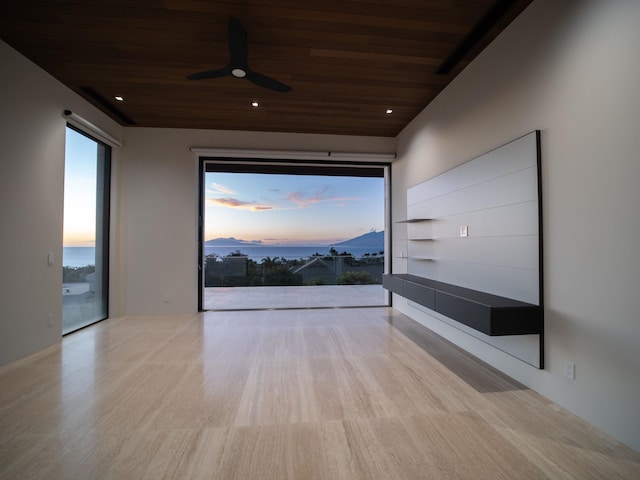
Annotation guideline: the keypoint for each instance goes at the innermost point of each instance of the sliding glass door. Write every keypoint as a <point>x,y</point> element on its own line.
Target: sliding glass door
<point>292,235</point>
<point>86,233</point>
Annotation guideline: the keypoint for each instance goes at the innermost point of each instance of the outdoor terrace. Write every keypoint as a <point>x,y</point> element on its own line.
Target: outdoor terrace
<point>277,297</point>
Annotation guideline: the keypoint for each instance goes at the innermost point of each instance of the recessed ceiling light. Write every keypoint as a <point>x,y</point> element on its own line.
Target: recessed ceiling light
<point>255,104</point>
<point>119,98</point>
<point>389,111</point>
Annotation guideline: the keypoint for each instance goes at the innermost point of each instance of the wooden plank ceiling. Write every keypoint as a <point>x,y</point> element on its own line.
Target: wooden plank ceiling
<point>347,61</point>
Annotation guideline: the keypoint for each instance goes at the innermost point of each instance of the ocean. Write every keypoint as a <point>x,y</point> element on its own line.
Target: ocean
<point>258,252</point>
<point>78,256</point>
<point>81,256</point>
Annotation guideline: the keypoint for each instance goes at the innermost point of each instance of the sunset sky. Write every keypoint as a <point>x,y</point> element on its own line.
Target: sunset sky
<point>79,190</point>
<point>272,208</point>
<point>292,209</point>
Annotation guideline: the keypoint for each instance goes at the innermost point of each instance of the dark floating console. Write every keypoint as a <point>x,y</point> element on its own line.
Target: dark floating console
<point>490,314</point>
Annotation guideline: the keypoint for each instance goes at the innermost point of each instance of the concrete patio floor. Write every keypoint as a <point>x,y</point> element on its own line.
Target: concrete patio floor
<point>325,296</point>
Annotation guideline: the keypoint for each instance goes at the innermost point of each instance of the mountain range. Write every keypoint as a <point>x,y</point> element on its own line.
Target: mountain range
<point>371,239</point>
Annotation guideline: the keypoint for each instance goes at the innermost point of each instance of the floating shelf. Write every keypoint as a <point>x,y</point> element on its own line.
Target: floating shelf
<point>490,314</point>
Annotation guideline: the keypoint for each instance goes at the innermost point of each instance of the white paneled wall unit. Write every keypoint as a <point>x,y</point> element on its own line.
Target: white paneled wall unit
<point>478,226</point>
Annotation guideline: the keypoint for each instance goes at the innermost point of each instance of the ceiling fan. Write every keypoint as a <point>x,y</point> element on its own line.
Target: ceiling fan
<point>238,62</point>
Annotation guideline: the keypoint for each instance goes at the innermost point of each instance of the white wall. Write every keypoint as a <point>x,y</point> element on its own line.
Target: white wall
<point>158,207</point>
<point>570,69</point>
<point>154,205</point>
<point>32,136</point>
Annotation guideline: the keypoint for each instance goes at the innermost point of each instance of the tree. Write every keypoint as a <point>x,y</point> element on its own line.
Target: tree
<point>213,273</point>
<point>281,276</point>
<point>76,274</point>
<point>268,263</point>
<point>355,278</point>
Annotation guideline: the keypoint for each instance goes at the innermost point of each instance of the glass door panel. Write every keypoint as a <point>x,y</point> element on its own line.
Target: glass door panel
<point>85,244</point>
<point>280,240</point>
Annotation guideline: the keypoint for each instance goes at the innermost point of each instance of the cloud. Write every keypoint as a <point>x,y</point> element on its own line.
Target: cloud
<point>239,204</point>
<point>296,200</point>
<point>305,200</point>
<point>299,199</point>
<point>217,189</point>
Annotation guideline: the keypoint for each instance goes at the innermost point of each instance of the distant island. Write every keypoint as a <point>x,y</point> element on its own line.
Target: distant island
<point>230,241</point>
<point>375,240</point>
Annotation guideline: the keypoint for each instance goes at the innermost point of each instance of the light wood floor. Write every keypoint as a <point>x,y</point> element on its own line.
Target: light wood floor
<point>296,394</point>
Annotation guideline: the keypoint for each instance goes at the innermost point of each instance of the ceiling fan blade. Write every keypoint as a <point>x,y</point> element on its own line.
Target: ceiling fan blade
<point>267,82</point>
<point>220,72</point>
<point>238,67</point>
<point>238,49</point>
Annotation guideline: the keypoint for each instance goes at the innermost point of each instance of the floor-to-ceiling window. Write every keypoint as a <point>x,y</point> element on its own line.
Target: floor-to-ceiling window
<point>313,234</point>
<point>86,219</point>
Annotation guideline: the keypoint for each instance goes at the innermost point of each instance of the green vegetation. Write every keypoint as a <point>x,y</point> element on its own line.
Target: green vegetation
<point>238,270</point>
<point>355,278</point>
<point>76,274</point>
<point>281,275</point>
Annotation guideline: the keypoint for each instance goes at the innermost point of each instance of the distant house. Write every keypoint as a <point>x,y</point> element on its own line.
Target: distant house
<point>320,270</point>
<point>235,266</point>
<point>326,270</point>
<point>91,278</point>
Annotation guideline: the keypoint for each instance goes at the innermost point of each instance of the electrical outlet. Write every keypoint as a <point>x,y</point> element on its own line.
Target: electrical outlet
<point>50,320</point>
<point>570,371</point>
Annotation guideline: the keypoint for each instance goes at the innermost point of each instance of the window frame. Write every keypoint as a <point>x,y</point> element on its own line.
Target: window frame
<point>288,167</point>
<point>103,205</point>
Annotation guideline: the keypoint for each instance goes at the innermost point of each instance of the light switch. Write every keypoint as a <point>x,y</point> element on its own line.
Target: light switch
<point>464,231</point>
<point>569,371</point>
<point>51,258</point>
